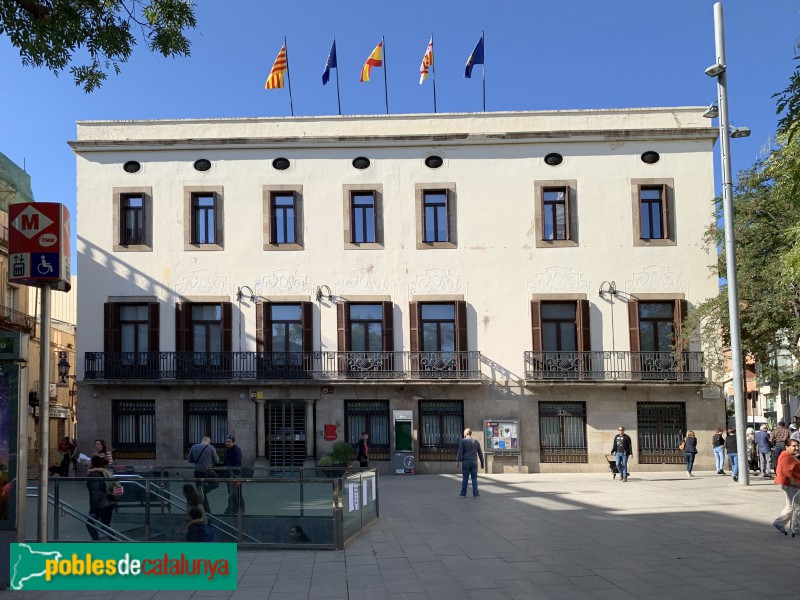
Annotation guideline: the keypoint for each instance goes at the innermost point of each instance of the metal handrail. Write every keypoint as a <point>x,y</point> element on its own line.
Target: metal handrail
<point>615,365</point>
<point>80,516</point>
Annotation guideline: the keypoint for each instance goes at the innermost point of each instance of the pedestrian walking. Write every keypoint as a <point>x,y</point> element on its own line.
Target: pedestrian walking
<point>65,451</point>
<point>690,451</point>
<point>795,435</point>
<point>102,500</point>
<point>362,451</point>
<point>751,451</point>
<point>622,449</point>
<point>204,457</point>
<point>778,438</point>
<point>102,450</point>
<point>732,449</point>
<point>787,475</point>
<point>469,453</point>
<point>764,448</point>
<point>718,443</point>
<point>233,462</point>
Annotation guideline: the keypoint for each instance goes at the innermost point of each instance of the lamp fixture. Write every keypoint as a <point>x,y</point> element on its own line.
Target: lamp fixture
<point>715,70</point>
<point>740,132</point>
<point>240,294</point>
<point>608,287</point>
<point>63,368</point>
<point>321,295</point>
<point>712,111</point>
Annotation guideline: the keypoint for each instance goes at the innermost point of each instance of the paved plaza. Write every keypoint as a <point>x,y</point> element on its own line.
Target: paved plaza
<point>561,536</point>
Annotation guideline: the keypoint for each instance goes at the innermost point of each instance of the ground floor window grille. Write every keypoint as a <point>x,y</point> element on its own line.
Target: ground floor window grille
<point>371,416</point>
<point>204,418</point>
<point>133,430</point>
<point>441,429</point>
<point>562,432</point>
<point>661,428</point>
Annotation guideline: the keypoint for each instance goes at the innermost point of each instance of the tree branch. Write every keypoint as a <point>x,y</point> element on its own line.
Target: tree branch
<point>36,10</point>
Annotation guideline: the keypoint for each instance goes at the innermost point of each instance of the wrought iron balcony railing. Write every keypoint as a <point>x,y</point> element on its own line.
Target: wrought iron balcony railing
<point>325,366</point>
<point>14,320</point>
<point>615,365</point>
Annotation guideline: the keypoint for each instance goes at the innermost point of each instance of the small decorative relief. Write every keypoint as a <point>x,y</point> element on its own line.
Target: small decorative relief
<point>282,282</point>
<point>136,283</point>
<point>656,278</point>
<point>437,281</point>
<point>365,280</point>
<point>558,280</point>
<point>204,283</point>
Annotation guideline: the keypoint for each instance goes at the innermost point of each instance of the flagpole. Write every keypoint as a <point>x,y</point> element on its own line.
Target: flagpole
<point>288,79</point>
<point>483,71</point>
<point>338,99</point>
<point>385,86</point>
<point>433,75</point>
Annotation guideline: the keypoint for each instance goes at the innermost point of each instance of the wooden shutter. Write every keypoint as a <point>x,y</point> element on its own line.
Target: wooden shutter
<point>633,324</point>
<point>308,326</point>
<point>227,327</point>
<point>447,201</point>
<point>112,341</point>
<point>343,326</point>
<point>218,220</point>
<point>567,200</point>
<point>583,327</point>
<point>536,325</point>
<point>413,325</point>
<point>121,225</point>
<point>183,326</point>
<point>388,326</point>
<point>665,212</point>
<point>461,326</point>
<point>260,320</point>
<point>679,316</point>
<point>153,312</point>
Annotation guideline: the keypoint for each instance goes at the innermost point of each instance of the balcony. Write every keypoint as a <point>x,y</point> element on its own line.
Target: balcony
<point>13,320</point>
<point>292,366</point>
<point>614,366</point>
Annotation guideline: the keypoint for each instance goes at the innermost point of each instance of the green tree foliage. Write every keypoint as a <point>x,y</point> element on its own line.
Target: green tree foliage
<point>766,206</point>
<point>789,104</point>
<point>48,33</point>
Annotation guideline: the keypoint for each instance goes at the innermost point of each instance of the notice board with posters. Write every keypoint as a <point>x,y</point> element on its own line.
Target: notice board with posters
<point>501,438</point>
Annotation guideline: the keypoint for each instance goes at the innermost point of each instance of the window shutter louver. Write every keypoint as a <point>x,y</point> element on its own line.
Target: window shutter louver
<point>227,327</point>
<point>343,326</point>
<point>413,324</point>
<point>461,326</point>
<point>665,211</point>
<point>584,330</point>
<point>308,326</point>
<point>111,341</point>
<point>388,326</point>
<point>153,338</point>
<point>633,325</point>
<point>536,325</point>
<point>567,201</point>
<point>260,321</point>
<point>681,309</point>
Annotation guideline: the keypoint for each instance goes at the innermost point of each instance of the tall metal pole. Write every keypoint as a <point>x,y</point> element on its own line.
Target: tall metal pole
<point>44,417</point>
<point>730,247</point>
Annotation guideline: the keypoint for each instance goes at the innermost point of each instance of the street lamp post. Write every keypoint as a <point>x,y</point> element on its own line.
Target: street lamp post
<point>718,71</point>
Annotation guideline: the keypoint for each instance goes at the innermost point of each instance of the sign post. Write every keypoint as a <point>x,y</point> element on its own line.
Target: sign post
<point>39,255</point>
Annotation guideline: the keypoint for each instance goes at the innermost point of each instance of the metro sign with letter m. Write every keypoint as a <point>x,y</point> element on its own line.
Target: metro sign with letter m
<point>39,244</point>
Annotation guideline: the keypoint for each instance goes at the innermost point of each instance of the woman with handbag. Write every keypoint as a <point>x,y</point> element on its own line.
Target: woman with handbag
<point>102,494</point>
<point>689,446</point>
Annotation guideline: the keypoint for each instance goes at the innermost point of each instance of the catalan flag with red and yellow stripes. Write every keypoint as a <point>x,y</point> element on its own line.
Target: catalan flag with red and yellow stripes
<point>427,61</point>
<point>375,60</point>
<point>276,74</point>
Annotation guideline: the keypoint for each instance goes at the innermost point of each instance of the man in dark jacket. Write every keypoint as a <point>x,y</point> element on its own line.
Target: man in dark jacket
<point>622,448</point>
<point>233,464</point>
<point>778,438</point>
<point>469,453</point>
<point>362,454</point>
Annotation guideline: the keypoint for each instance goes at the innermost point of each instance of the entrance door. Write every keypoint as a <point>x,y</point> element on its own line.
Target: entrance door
<point>286,433</point>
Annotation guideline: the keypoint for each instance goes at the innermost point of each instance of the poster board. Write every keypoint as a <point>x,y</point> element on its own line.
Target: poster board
<point>501,438</point>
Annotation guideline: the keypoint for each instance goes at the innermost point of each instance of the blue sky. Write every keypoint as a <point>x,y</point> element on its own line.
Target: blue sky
<point>539,56</point>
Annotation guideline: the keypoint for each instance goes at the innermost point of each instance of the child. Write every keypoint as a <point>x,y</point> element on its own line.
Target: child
<point>198,530</point>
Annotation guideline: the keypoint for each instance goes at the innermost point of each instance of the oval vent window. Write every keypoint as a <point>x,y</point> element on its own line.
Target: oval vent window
<point>650,157</point>
<point>434,162</point>
<point>553,159</point>
<point>202,165</point>
<point>361,162</point>
<point>132,166</point>
<point>281,164</point>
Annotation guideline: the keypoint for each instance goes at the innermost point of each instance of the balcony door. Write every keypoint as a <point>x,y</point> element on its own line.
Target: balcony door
<point>561,337</point>
<point>365,337</point>
<point>284,339</point>
<point>656,346</point>
<point>203,339</point>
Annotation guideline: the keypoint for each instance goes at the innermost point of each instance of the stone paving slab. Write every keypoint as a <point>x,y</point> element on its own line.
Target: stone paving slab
<point>564,536</point>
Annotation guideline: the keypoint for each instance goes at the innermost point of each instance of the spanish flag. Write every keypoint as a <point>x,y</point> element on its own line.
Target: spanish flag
<point>275,79</point>
<point>375,60</point>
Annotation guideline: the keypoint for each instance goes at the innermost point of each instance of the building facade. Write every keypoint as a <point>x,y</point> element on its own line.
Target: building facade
<point>296,281</point>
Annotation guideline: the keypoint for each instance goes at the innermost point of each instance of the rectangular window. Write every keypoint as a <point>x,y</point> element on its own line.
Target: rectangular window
<point>203,418</point>
<point>286,327</point>
<point>134,325</point>
<point>653,215</point>
<point>562,432</point>
<point>656,348</point>
<point>131,340</point>
<point>362,211</point>
<point>435,228</point>
<point>133,228</point>
<point>133,429</point>
<point>204,219</point>
<point>656,326</point>
<point>441,427</point>
<point>283,212</point>
<point>661,428</point>
<point>366,327</point>
<point>284,339</point>
<point>206,327</point>
<point>203,339</point>
<point>555,222</point>
<point>559,327</point>
<point>371,416</point>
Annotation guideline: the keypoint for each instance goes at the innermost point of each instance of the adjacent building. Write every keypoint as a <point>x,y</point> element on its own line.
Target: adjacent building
<point>296,281</point>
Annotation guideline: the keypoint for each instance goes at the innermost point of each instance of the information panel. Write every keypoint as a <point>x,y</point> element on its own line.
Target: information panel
<point>501,435</point>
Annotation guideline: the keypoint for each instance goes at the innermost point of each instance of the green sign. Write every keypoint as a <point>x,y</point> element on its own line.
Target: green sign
<point>123,566</point>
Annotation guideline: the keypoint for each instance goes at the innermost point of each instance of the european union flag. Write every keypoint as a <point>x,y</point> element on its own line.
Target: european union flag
<point>476,58</point>
<point>331,64</point>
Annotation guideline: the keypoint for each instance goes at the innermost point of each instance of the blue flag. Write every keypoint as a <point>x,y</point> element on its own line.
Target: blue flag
<point>476,58</point>
<point>331,64</point>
